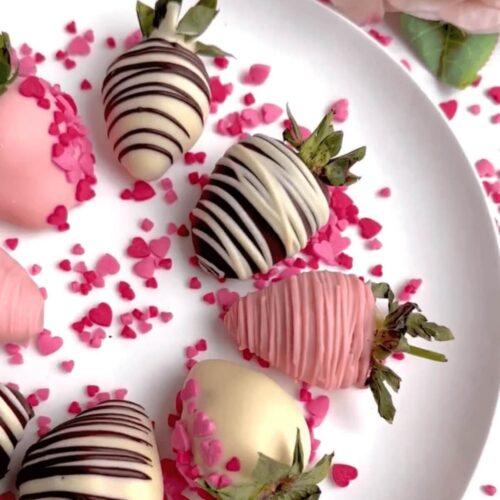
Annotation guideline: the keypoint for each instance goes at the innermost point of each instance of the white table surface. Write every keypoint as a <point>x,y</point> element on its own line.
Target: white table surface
<point>480,138</point>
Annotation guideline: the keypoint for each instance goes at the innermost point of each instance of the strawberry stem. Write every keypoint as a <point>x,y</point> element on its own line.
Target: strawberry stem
<point>390,337</point>
<point>319,151</point>
<point>7,76</point>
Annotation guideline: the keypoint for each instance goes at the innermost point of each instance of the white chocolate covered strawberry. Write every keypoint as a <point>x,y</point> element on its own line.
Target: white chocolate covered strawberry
<point>157,94</point>
<point>241,436</point>
<point>15,413</point>
<point>46,159</point>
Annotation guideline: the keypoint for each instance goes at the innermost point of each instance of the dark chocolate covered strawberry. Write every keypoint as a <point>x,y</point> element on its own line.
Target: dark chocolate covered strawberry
<point>157,94</point>
<point>266,198</point>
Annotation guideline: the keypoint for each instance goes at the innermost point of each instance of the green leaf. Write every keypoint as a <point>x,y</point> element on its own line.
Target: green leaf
<point>438,332</point>
<point>196,20</point>
<point>4,72</point>
<point>146,15</point>
<point>381,394</point>
<point>297,134</point>
<point>210,50</point>
<point>309,147</point>
<point>269,470</point>
<point>298,456</point>
<point>337,171</point>
<point>454,56</point>
<point>318,473</point>
<point>383,291</point>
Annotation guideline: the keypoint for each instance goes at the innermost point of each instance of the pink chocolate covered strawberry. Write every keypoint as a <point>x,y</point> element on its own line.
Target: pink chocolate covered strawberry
<point>266,198</point>
<point>46,160</point>
<point>324,328</point>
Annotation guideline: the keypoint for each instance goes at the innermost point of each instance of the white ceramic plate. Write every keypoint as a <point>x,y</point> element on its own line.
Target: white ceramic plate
<point>436,227</point>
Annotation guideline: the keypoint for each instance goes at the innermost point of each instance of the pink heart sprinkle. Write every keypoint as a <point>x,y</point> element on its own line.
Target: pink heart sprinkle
<point>211,452</point>
<point>343,474</point>
<point>89,36</point>
<point>144,326</point>
<point>495,119</point>
<point>202,425</point>
<point>43,421</point>
<point>485,168</point>
<point>224,482</point>
<point>107,265</point>
<point>226,298</point>
<point>257,74</point>
<point>213,478</point>
<point>318,407</point>
<point>250,117</point>
<point>165,317</point>
<point>191,352</point>
<point>270,112</point>
<point>145,268</point>
<point>47,344</point>
<point>474,109</point>
<point>43,394</point>
<point>449,108</point>
<point>133,39</point>
<point>494,94</point>
<point>489,489</point>
<point>190,390</point>
<point>16,359</point>
<point>340,109</point>
<point>67,366</point>
<point>11,348</point>
<point>180,438</point>
<point>120,393</point>
<point>78,47</point>
<point>160,246</point>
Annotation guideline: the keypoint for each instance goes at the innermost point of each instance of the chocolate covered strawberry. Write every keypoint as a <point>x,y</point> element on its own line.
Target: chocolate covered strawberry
<point>265,199</point>
<point>324,328</point>
<point>46,159</point>
<point>157,94</point>
<point>240,436</point>
<point>15,413</point>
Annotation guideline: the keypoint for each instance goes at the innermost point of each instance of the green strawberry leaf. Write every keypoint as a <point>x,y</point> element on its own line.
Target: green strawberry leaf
<point>7,76</point>
<point>382,396</point>
<point>197,19</point>
<point>4,72</point>
<point>318,473</point>
<point>455,57</point>
<point>336,172</point>
<point>146,15</point>
<point>269,470</point>
<point>210,50</point>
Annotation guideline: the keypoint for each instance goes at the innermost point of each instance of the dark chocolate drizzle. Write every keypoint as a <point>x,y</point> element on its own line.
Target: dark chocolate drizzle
<point>51,458</point>
<point>10,397</point>
<point>211,259</point>
<point>121,86</point>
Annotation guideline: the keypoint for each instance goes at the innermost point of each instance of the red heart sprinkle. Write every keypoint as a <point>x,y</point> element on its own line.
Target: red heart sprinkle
<point>201,345</point>
<point>142,191</point>
<point>74,408</point>
<point>494,94</point>
<point>138,249</point>
<point>32,87</point>
<point>489,490</point>
<point>67,366</point>
<point>92,390</point>
<point>449,108</point>
<point>194,283</point>
<point>85,85</point>
<point>59,217</point>
<point>233,464</point>
<point>102,314</point>
<point>343,474</point>
<point>151,283</point>
<point>125,291</point>
<point>369,228</point>
<point>69,63</point>
<point>128,333</point>
<point>84,191</point>
<point>71,27</point>
<point>111,42</point>
<point>209,298</point>
<point>11,243</point>
<point>60,55</point>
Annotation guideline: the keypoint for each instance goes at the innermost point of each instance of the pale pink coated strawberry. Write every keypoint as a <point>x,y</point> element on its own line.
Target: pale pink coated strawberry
<point>323,328</point>
<point>21,314</point>
<point>46,159</point>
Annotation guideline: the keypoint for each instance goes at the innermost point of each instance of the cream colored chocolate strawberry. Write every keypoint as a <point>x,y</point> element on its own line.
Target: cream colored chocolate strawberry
<point>157,94</point>
<point>324,328</point>
<point>241,436</point>
<point>46,159</point>
<point>15,413</point>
